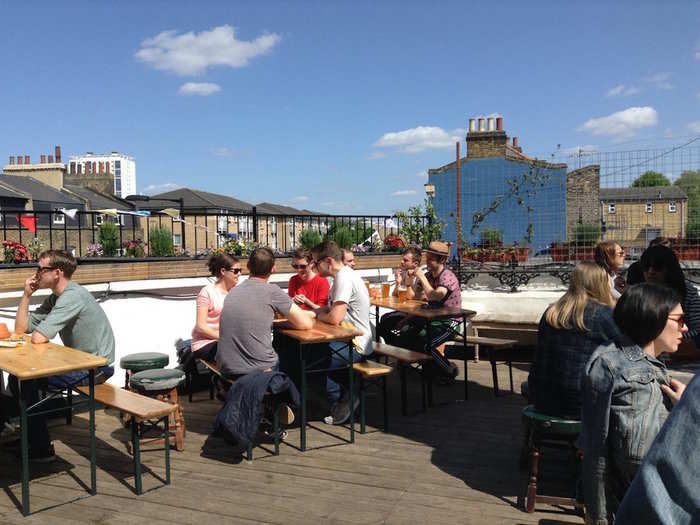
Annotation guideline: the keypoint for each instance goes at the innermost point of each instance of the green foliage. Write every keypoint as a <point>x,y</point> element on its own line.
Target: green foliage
<point>343,236</point>
<point>586,234</point>
<point>420,224</point>
<point>693,232</point>
<point>160,241</point>
<point>689,182</point>
<point>651,178</point>
<point>108,238</point>
<point>491,237</point>
<point>310,238</point>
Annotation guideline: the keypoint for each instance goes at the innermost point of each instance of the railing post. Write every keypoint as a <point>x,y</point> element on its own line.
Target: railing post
<point>255,224</point>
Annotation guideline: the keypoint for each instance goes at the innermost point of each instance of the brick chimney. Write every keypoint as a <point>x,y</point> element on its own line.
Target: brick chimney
<point>12,159</point>
<point>27,160</point>
<point>107,167</point>
<point>486,138</point>
<point>43,159</point>
<point>20,159</point>
<point>80,168</point>
<point>58,153</point>
<point>50,159</point>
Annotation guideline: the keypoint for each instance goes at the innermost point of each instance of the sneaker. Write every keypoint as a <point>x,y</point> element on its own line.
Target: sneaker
<point>340,412</point>
<point>9,433</point>
<point>285,414</point>
<point>267,430</point>
<point>39,455</point>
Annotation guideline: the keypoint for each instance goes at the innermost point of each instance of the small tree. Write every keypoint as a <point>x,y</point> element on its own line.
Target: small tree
<point>109,238</point>
<point>586,234</point>
<point>420,224</point>
<point>342,235</point>
<point>689,182</point>
<point>160,241</point>
<point>309,238</point>
<point>651,178</point>
<point>490,237</point>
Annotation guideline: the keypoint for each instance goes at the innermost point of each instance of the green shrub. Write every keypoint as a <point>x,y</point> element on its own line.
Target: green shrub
<point>490,237</point>
<point>342,235</point>
<point>586,234</point>
<point>693,232</point>
<point>160,241</point>
<point>309,238</point>
<point>109,238</point>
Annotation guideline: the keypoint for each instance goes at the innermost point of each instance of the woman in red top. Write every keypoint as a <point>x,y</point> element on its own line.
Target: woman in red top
<point>307,289</point>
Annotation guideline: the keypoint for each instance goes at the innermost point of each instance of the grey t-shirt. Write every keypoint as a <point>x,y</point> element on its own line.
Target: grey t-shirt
<point>78,319</point>
<point>245,326</point>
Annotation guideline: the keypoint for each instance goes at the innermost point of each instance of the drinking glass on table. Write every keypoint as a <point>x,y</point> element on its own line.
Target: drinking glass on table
<point>403,293</point>
<point>385,290</point>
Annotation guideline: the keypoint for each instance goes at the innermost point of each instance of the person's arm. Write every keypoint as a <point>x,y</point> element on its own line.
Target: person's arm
<point>202,326</point>
<point>430,293</point>
<point>674,391</point>
<point>597,397</point>
<point>398,279</point>
<point>22,316</point>
<point>333,315</point>
<point>299,319</point>
<point>63,312</point>
<point>411,284</point>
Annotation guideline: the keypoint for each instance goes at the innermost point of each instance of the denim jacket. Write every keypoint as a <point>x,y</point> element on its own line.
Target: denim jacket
<point>623,410</point>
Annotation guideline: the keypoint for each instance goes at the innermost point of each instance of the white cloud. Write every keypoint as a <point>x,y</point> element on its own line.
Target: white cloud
<point>193,53</point>
<point>660,80</point>
<point>668,133</point>
<point>582,149</point>
<point>419,139</point>
<point>403,193</point>
<point>154,189</point>
<point>622,124</point>
<point>376,155</point>
<point>697,55</point>
<point>300,198</point>
<point>223,151</point>
<point>423,175</point>
<point>203,89</point>
<point>328,203</point>
<point>694,126</point>
<point>622,91</point>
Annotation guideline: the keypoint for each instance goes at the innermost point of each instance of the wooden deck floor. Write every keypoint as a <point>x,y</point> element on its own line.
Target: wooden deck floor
<point>455,464</point>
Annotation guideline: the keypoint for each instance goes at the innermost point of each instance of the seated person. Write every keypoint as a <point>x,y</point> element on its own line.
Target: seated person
<point>308,289</point>
<point>245,325</point>
<point>405,276</point>
<point>570,330</point>
<point>348,303</point>
<point>438,285</point>
<point>72,312</point>
<point>611,257</point>
<point>623,406</point>
<point>348,258</point>
<point>205,336</point>
<point>635,274</point>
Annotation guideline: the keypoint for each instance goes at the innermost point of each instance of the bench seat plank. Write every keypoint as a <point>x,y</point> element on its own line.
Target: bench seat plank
<point>372,369</point>
<point>400,354</point>
<point>139,406</point>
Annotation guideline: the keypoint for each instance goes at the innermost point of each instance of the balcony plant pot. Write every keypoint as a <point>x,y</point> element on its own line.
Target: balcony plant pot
<point>584,253</point>
<point>560,252</point>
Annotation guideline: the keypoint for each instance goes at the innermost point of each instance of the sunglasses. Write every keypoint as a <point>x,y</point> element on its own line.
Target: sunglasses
<point>44,269</point>
<point>300,266</point>
<point>235,271</point>
<point>680,320</point>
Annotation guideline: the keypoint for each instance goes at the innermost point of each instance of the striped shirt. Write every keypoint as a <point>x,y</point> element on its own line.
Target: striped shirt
<point>691,312</point>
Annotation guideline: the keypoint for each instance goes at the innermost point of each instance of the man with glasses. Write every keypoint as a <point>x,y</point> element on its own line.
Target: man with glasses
<point>71,312</point>
<point>307,289</point>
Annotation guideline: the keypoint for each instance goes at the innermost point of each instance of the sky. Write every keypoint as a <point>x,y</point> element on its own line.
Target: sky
<point>339,107</point>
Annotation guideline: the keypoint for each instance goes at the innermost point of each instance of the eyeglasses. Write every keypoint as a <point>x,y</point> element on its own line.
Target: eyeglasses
<point>44,269</point>
<point>235,271</point>
<point>300,266</point>
<point>680,320</point>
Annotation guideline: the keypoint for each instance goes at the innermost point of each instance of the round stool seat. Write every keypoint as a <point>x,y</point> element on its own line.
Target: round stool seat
<point>155,380</point>
<point>551,424</point>
<point>144,361</point>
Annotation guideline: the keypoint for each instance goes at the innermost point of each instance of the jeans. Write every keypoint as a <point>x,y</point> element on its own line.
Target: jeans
<point>341,355</point>
<point>36,425</point>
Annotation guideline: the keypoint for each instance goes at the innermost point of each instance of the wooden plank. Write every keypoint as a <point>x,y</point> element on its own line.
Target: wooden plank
<point>372,369</point>
<point>31,361</point>
<point>142,407</point>
<point>417,308</point>
<point>400,354</point>
<point>320,333</point>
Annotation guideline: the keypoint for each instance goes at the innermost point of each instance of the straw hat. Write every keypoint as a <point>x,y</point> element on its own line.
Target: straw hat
<point>439,248</point>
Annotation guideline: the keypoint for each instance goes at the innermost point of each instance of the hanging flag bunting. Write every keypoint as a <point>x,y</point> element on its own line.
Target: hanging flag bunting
<point>390,224</point>
<point>171,212</point>
<point>139,213</point>
<point>112,212</point>
<point>69,213</point>
<point>28,221</point>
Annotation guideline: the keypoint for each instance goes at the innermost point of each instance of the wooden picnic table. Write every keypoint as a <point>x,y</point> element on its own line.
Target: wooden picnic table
<point>320,332</point>
<point>30,361</point>
<point>413,307</point>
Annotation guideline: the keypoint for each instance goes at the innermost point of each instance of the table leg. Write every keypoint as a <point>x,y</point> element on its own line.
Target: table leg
<point>376,320</point>
<point>466,375</point>
<point>93,457</point>
<point>302,423</point>
<point>351,375</point>
<point>24,440</point>
<point>166,425</point>
<point>494,372</point>
<point>428,380</point>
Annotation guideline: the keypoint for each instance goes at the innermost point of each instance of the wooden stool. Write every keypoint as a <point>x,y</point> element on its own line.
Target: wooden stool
<point>546,431</point>
<point>140,361</point>
<point>162,384</point>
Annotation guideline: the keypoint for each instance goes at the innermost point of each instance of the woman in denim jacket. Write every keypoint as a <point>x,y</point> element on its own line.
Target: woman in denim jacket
<point>623,395</point>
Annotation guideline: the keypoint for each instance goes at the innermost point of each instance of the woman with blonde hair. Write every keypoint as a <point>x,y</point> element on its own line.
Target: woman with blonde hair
<point>570,330</point>
<point>611,256</point>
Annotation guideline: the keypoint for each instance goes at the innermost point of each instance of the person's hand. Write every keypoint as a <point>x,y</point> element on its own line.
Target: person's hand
<point>398,277</point>
<point>31,285</point>
<point>411,273</point>
<point>300,299</point>
<point>419,273</point>
<point>675,391</point>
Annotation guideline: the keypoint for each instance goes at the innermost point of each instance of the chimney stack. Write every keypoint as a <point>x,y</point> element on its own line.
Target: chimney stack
<point>472,125</point>
<point>58,154</point>
<point>499,123</point>
<point>43,159</point>
<point>492,123</point>
<point>481,125</point>
<point>50,159</point>
<point>12,159</point>
<point>27,160</point>
<point>107,167</point>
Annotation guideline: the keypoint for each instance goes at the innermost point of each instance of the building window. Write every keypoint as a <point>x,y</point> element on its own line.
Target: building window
<point>611,207</point>
<point>672,207</point>
<point>177,239</point>
<point>58,217</point>
<point>99,219</point>
<point>649,207</point>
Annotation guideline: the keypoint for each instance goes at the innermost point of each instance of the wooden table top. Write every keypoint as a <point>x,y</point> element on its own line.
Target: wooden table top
<point>320,333</point>
<point>413,307</point>
<point>31,361</point>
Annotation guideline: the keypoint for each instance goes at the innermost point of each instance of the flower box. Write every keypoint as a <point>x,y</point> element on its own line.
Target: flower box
<point>584,253</point>
<point>560,252</point>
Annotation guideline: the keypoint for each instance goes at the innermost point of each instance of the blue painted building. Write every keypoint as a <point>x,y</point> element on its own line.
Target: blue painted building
<point>495,171</point>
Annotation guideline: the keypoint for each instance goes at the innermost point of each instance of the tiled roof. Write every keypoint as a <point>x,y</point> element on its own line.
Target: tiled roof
<point>98,200</point>
<point>203,199</point>
<point>642,194</point>
<point>38,190</point>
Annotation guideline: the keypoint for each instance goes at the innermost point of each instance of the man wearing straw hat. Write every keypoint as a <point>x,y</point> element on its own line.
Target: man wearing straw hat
<point>437,286</point>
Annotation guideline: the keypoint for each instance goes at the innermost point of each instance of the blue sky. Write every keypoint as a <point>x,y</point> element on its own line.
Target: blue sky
<point>338,106</point>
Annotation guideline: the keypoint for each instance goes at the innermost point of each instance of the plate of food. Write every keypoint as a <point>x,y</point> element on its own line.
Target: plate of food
<point>9,344</point>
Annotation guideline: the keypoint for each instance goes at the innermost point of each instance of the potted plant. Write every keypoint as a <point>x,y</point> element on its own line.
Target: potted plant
<point>15,252</point>
<point>394,243</point>
<point>586,235</point>
<point>109,238</point>
<point>516,252</point>
<point>560,251</point>
<point>134,248</point>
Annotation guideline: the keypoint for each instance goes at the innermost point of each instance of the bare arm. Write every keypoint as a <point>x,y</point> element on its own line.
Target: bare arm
<point>22,317</point>
<point>202,326</point>
<point>430,293</point>
<point>333,315</point>
<point>299,319</point>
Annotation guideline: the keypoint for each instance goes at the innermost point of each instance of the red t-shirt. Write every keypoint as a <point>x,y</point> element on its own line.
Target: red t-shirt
<point>316,290</point>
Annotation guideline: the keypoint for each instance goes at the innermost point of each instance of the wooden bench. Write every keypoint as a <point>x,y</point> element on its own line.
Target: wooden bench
<point>370,372</point>
<point>492,344</point>
<point>405,359</point>
<point>216,374</point>
<point>141,409</point>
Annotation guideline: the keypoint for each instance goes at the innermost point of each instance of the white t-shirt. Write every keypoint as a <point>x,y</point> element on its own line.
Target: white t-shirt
<point>349,288</point>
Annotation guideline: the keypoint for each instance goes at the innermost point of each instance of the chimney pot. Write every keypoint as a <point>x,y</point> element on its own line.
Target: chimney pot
<point>50,159</point>
<point>491,123</point>
<point>472,125</point>
<point>515,142</point>
<point>20,159</point>
<point>80,169</point>
<point>57,151</point>
<point>43,159</point>
<point>481,125</point>
<point>499,123</point>
<point>27,160</point>
<point>107,168</point>
<point>12,159</point>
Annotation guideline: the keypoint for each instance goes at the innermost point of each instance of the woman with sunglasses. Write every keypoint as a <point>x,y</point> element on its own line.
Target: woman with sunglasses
<point>308,289</point>
<point>610,256</point>
<point>627,395</point>
<point>226,269</point>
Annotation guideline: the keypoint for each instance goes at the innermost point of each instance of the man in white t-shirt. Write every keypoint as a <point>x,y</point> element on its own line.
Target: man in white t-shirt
<point>348,302</point>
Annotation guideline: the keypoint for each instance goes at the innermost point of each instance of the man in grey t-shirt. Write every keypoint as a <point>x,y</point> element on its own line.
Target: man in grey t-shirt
<point>245,326</point>
<point>72,312</point>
